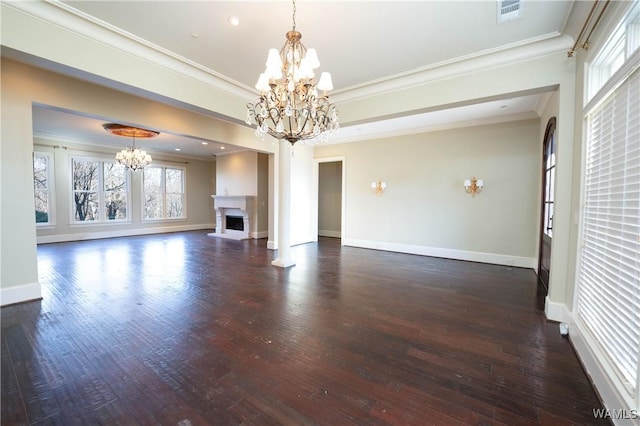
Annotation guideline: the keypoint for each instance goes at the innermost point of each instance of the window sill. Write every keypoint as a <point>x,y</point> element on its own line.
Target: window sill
<point>109,223</point>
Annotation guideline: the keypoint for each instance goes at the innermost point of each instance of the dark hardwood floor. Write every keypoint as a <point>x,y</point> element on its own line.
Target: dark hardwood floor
<point>186,329</point>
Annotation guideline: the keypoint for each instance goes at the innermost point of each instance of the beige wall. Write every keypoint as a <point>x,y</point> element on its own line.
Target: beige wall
<point>330,199</point>
<point>237,174</point>
<point>19,274</point>
<point>425,208</point>
<point>246,173</point>
<point>486,77</point>
<point>198,175</point>
<point>22,87</point>
<point>263,194</point>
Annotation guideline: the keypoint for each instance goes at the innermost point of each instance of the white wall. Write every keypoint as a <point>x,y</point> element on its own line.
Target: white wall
<point>425,208</point>
<point>302,218</point>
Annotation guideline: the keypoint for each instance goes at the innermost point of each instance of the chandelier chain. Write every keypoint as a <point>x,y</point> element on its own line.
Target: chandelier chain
<point>294,15</point>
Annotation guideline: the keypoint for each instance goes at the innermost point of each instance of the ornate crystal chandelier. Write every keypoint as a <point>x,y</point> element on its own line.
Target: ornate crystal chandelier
<point>290,105</point>
<point>131,157</point>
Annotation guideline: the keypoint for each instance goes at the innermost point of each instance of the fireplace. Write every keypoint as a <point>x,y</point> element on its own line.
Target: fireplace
<point>235,223</point>
<point>234,216</point>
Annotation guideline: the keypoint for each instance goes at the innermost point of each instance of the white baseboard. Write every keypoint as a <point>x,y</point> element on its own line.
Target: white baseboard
<point>620,405</point>
<point>271,245</point>
<point>555,311</point>
<point>327,233</point>
<point>260,234</point>
<point>497,259</point>
<point>91,235</point>
<point>20,293</point>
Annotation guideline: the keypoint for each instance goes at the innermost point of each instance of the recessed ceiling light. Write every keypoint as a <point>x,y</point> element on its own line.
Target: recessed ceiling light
<point>234,20</point>
<point>178,149</point>
<point>222,147</point>
<point>504,106</point>
<point>205,143</point>
<point>194,35</point>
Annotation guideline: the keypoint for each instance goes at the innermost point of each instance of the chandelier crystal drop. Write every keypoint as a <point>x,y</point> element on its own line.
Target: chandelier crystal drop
<point>292,105</point>
<point>133,158</point>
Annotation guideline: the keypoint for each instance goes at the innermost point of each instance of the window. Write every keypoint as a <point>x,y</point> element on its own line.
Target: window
<point>609,275</point>
<point>43,187</point>
<point>164,196</point>
<point>100,191</point>
<point>624,41</point>
<point>549,176</point>
<point>115,191</point>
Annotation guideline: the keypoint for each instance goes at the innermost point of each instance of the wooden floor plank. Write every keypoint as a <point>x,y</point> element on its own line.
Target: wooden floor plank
<point>186,329</point>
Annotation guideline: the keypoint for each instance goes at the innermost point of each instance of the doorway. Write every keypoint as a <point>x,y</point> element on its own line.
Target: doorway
<point>330,199</point>
<point>546,217</point>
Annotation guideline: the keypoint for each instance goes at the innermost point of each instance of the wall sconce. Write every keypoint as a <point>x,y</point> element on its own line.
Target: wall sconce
<point>473,186</point>
<point>378,187</point>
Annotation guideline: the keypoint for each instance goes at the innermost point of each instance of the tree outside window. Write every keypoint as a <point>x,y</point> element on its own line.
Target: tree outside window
<point>42,187</point>
<point>163,193</point>
<point>100,191</point>
<point>85,190</point>
<point>153,193</point>
<point>115,191</point>
<point>174,192</point>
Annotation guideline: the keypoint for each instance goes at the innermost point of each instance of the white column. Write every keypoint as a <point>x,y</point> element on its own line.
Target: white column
<point>284,259</point>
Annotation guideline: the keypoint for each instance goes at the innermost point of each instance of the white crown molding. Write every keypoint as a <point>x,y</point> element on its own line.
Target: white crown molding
<point>509,54</point>
<point>396,131</point>
<point>70,19</point>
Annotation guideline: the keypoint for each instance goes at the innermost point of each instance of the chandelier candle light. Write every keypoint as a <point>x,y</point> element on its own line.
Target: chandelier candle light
<point>131,157</point>
<point>378,187</point>
<point>473,186</point>
<point>291,104</point>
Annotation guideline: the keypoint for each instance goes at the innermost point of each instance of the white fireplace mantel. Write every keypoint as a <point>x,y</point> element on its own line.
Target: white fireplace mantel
<point>234,205</point>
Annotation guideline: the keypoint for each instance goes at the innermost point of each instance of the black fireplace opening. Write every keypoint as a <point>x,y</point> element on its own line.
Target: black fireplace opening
<point>235,223</point>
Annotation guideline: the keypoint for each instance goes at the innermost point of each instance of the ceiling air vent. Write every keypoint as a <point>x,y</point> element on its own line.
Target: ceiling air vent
<point>508,10</point>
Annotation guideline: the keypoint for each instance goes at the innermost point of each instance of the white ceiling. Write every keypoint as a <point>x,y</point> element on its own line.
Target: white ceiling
<point>360,42</point>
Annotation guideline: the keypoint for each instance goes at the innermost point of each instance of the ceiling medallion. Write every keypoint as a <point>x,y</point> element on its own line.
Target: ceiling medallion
<point>131,157</point>
<point>129,131</point>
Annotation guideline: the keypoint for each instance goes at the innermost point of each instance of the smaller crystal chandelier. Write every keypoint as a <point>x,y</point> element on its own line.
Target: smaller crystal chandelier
<point>131,157</point>
<point>290,106</point>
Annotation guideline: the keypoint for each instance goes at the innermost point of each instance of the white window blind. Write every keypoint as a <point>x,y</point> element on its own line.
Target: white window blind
<point>609,277</point>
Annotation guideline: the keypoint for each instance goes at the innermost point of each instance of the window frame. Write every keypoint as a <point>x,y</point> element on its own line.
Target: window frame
<point>164,193</point>
<point>594,100</point>
<point>51,213</point>
<point>623,41</point>
<point>103,217</point>
<point>550,165</point>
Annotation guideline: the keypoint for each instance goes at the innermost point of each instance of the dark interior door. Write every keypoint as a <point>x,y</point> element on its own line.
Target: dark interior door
<point>546,220</point>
